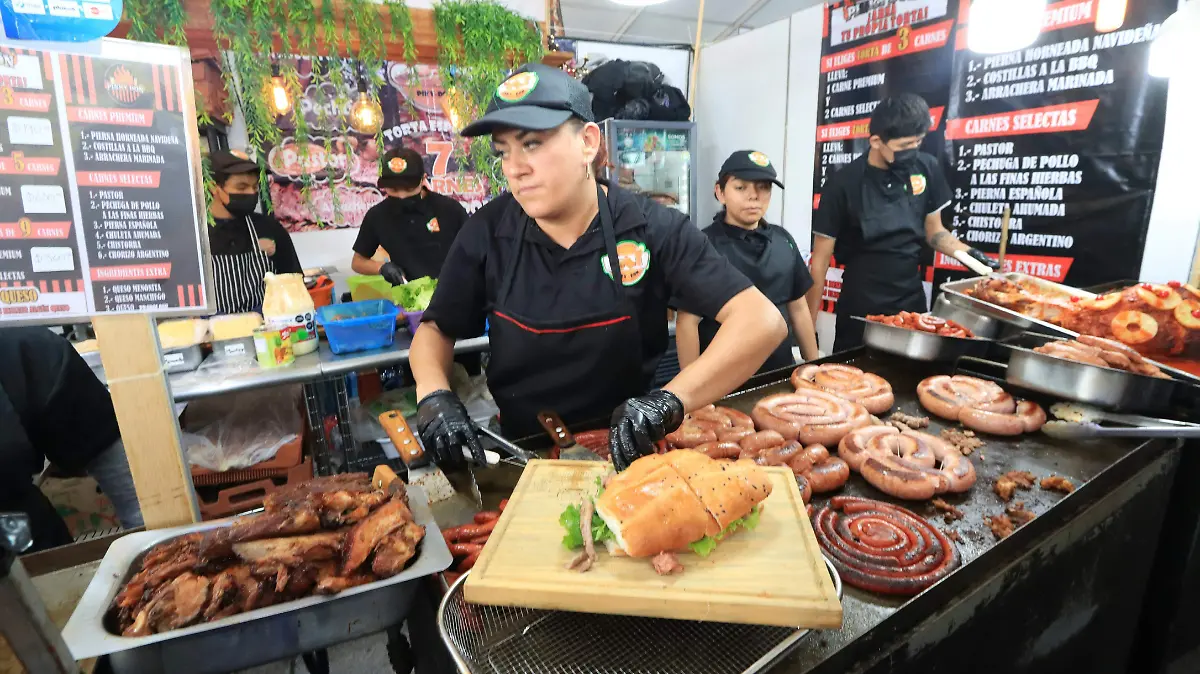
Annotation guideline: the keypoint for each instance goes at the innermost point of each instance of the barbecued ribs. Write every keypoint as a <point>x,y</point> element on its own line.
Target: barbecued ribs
<point>276,556</point>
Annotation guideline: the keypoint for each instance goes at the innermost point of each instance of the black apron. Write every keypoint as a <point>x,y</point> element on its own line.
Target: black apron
<point>884,281</point>
<point>581,367</point>
<point>772,273</point>
<point>238,279</point>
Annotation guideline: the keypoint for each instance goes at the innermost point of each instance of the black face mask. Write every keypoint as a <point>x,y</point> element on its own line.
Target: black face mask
<point>904,158</point>
<point>242,204</point>
<point>413,204</point>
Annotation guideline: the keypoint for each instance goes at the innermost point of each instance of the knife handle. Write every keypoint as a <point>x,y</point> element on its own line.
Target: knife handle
<point>557,429</point>
<point>402,437</point>
<point>383,477</point>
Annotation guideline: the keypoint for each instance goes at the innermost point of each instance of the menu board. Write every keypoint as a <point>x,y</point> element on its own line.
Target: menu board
<point>99,184</point>
<point>1067,133</point>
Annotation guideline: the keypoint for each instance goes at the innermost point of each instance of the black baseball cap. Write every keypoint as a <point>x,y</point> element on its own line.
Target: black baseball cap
<point>402,167</point>
<point>232,162</point>
<point>535,97</point>
<point>750,165</point>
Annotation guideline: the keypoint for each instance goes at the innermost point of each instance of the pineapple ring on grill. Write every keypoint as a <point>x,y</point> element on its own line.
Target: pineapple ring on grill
<point>1134,327</point>
<point>1159,296</point>
<point>1188,314</point>
<point>1102,302</point>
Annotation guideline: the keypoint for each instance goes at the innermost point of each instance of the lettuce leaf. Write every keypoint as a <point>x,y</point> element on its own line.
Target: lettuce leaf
<point>573,540</point>
<point>705,546</point>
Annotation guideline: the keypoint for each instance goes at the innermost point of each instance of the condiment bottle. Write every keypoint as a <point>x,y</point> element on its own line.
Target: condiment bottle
<point>288,306</point>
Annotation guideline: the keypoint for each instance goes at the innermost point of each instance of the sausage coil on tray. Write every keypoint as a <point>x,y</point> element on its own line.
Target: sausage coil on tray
<point>979,405</point>
<point>811,416</point>
<point>907,464</point>
<point>924,323</point>
<point>850,383</point>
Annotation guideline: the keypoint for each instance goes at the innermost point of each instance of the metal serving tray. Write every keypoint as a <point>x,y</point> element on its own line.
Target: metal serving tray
<point>919,345</point>
<point>955,291</point>
<point>1105,387</point>
<point>500,640</point>
<point>250,638</point>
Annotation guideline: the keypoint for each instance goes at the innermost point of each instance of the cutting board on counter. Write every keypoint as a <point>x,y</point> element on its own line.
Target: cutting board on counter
<point>774,575</point>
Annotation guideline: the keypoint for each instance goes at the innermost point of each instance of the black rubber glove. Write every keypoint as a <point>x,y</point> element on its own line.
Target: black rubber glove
<point>639,423</point>
<point>991,262</point>
<point>445,428</point>
<point>392,274</point>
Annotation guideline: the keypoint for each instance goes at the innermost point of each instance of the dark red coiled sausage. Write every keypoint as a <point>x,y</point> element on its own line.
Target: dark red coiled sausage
<point>883,548</point>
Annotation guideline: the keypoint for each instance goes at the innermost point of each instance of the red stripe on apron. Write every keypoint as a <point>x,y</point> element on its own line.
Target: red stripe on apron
<point>563,331</point>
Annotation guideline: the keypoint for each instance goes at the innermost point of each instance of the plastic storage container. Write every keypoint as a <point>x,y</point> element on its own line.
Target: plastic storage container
<point>414,319</point>
<point>359,326</point>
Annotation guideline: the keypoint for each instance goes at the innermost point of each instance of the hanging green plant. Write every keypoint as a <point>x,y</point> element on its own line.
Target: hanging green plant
<point>479,43</point>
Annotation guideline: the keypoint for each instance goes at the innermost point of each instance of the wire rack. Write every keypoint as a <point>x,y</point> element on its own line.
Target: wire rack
<point>502,640</point>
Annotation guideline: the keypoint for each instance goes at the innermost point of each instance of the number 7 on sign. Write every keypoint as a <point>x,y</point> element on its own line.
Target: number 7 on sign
<point>441,151</point>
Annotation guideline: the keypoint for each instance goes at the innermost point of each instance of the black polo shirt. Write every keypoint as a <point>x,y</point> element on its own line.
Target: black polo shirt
<point>416,232</point>
<point>552,281</point>
<point>231,236</point>
<point>871,210</point>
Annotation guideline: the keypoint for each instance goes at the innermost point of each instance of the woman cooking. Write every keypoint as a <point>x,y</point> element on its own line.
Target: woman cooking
<point>244,244</point>
<point>571,330</point>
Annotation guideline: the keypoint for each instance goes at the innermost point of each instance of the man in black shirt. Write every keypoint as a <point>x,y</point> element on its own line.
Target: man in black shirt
<point>244,244</point>
<point>875,215</point>
<point>414,225</point>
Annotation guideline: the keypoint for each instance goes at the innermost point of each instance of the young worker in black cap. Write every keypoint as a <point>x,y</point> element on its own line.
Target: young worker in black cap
<point>245,245</point>
<point>414,224</point>
<point>765,253</point>
<point>875,216</point>
<point>575,277</point>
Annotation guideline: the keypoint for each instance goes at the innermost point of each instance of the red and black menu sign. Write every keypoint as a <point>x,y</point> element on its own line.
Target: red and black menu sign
<point>1067,132</point>
<point>98,184</point>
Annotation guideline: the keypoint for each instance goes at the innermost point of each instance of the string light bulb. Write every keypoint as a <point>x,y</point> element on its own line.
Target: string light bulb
<point>999,26</point>
<point>453,106</point>
<point>277,92</point>
<point>366,115</point>
<point>1110,15</point>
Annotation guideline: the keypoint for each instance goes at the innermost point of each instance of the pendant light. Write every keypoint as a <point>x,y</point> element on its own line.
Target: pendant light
<point>999,26</point>
<point>1110,15</point>
<point>1173,47</point>
<point>366,115</point>
<point>280,101</point>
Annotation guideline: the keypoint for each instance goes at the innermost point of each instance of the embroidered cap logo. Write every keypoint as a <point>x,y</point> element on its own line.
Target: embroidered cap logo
<point>517,87</point>
<point>760,159</point>
<point>397,164</point>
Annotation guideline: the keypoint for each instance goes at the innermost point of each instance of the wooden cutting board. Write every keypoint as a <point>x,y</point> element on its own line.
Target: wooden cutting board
<point>774,575</point>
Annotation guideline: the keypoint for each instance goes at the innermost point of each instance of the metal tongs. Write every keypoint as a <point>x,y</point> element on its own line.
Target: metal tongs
<point>1081,421</point>
<point>520,457</point>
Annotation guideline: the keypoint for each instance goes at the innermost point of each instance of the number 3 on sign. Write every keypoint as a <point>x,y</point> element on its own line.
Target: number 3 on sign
<point>26,226</point>
<point>902,38</point>
<point>441,151</point>
<point>6,95</point>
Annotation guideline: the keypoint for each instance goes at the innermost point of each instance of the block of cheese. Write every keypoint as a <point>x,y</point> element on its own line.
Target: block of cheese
<point>182,333</point>
<point>234,326</point>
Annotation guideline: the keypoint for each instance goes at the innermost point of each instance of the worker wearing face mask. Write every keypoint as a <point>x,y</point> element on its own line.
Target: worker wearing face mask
<point>875,216</point>
<point>244,244</point>
<point>414,225</point>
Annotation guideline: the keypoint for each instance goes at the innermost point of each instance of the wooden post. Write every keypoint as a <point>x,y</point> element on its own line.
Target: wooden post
<point>696,60</point>
<point>146,415</point>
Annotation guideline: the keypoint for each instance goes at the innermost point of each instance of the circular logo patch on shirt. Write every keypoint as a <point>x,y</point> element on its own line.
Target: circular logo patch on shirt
<point>918,184</point>
<point>634,259</point>
<point>397,164</point>
<point>517,87</point>
<point>760,159</point>
<point>433,225</point>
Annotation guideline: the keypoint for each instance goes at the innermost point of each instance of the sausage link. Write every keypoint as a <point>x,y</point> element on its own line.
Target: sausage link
<point>486,516</point>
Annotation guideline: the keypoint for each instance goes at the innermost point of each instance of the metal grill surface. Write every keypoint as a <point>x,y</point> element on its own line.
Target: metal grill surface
<point>501,640</point>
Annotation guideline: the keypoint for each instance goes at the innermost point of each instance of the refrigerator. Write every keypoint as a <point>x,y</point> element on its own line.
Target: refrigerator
<point>654,158</point>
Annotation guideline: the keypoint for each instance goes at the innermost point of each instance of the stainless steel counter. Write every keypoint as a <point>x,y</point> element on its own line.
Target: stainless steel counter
<point>332,364</point>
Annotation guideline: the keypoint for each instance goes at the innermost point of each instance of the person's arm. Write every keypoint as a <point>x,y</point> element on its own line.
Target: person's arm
<point>751,328</point>
<point>804,327</point>
<point>284,257</point>
<point>687,337</point>
<point>431,358</point>
<point>822,252</point>
<point>940,238</point>
<point>365,265</point>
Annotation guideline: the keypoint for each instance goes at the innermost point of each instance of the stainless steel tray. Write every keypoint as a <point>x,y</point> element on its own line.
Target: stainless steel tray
<point>917,345</point>
<point>183,360</point>
<point>499,640</point>
<point>983,326</point>
<point>955,292</point>
<point>250,638</point>
<point>1105,387</point>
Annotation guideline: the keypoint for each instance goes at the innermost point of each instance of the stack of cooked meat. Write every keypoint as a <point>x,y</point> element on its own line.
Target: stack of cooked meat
<point>321,536</point>
<point>1103,353</point>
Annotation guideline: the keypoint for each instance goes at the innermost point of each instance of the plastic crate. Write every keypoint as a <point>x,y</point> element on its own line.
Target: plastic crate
<point>364,288</point>
<point>359,326</point>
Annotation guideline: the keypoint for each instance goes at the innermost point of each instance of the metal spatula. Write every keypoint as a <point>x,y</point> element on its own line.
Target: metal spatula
<point>1067,430</point>
<point>568,449</point>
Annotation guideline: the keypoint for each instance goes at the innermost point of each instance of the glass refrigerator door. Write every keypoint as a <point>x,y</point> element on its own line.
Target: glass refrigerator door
<point>654,159</point>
